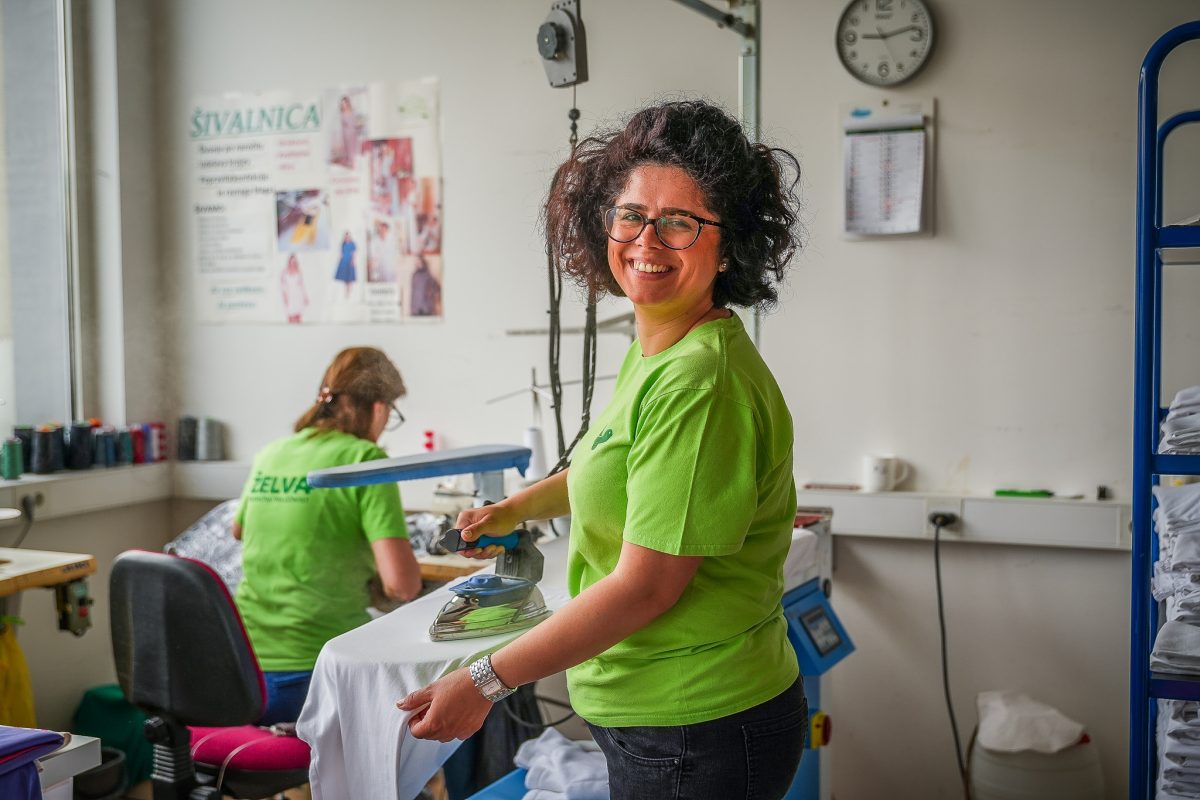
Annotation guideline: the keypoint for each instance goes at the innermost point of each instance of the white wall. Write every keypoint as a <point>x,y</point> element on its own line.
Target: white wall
<point>997,353</point>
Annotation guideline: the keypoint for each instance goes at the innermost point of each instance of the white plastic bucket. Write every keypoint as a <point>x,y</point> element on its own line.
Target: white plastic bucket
<point>1071,774</point>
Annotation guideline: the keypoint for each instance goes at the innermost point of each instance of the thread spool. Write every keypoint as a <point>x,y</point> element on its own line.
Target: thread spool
<point>79,446</point>
<point>148,454</point>
<point>106,447</point>
<point>138,437</point>
<point>25,433</point>
<point>185,434</point>
<point>41,457</point>
<point>12,464</point>
<point>58,448</point>
<point>210,440</point>
<point>159,432</point>
<point>125,447</point>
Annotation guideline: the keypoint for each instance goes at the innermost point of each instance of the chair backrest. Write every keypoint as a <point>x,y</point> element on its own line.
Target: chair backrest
<point>179,644</point>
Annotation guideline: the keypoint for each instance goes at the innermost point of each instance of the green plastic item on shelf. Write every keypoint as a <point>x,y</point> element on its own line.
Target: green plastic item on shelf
<point>1024,493</point>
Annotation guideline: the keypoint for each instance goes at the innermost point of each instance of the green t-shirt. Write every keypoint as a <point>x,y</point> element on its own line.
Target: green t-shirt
<point>693,456</point>
<point>307,552</point>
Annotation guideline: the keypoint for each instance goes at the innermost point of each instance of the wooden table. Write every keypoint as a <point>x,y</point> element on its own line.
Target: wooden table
<point>22,569</point>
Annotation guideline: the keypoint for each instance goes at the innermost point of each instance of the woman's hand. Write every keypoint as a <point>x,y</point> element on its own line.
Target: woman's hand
<point>497,519</point>
<point>449,708</point>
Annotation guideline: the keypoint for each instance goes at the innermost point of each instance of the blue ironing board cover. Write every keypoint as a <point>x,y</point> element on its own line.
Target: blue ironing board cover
<point>437,464</point>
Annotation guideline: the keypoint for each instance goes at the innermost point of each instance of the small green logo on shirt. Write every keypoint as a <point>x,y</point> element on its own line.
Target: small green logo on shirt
<point>602,438</point>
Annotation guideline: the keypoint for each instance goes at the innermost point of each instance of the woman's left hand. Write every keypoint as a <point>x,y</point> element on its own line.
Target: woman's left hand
<point>449,708</point>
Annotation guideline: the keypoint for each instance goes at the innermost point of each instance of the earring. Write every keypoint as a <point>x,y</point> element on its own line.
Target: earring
<point>724,265</point>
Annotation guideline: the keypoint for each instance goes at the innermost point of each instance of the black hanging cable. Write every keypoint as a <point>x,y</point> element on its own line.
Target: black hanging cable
<point>530,723</point>
<point>589,339</point>
<point>27,504</point>
<point>555,337</point>
<point>937,570</point>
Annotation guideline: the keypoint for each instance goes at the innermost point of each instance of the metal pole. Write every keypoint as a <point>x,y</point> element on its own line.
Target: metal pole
<point>749,70</point>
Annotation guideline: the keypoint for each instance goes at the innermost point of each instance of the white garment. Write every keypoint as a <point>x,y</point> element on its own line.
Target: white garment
<point>1178,506</point>
<point>361,744</point>
<point>1177,649</point>
<point>562,769</point>
<point>1011,722</point>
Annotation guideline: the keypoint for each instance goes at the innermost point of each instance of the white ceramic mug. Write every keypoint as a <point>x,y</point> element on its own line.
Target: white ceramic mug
<point>883,473</point>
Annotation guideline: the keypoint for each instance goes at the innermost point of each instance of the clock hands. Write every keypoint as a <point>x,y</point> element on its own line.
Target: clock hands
<point>879,34</point>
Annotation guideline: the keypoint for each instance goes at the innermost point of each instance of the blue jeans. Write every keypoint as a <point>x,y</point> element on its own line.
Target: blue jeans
<point>753,754</point>
<point>285,696</point>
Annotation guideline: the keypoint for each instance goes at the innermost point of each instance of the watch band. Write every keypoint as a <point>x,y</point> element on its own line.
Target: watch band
<point>487,682</point>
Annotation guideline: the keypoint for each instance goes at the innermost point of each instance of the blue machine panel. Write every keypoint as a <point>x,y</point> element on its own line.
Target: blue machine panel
<point>483,458</point>
<point>814,629</point>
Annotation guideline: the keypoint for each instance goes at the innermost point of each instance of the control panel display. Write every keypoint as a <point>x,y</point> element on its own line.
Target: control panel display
<point>820,630</point>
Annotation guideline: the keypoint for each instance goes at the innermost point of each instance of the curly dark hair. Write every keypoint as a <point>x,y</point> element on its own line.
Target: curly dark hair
<point>745,184</point>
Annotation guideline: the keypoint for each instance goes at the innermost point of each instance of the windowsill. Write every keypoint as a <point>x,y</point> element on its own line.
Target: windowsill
<point>76,492</point>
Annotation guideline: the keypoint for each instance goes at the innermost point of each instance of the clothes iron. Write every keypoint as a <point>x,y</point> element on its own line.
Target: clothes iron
<point>484,605</point>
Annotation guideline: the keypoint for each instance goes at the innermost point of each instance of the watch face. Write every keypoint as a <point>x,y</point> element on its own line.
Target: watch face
<point>884,42</point>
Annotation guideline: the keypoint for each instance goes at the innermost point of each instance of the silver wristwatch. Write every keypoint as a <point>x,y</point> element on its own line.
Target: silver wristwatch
<point>487,682</point>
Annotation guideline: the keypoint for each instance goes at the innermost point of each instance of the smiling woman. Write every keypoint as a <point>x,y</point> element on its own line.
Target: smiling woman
<point>674,642</point>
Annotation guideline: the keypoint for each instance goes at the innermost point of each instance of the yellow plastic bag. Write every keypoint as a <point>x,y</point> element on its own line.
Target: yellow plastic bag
<point>16,691</point>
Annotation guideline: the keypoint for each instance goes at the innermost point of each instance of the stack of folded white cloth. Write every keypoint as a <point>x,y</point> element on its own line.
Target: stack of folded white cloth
<point>1177,571</point>
<point>562,769</point>
<point>1178,750</point>
<point>1181,427</point>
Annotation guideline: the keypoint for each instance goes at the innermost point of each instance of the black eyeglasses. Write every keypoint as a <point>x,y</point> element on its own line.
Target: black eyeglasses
<point>395,418</point>
<point>678,230</point>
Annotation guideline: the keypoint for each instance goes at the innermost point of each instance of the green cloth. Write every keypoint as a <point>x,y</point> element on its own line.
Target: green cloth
<point>307,553</point>
<point>693,456</point>
<point>106,714</point>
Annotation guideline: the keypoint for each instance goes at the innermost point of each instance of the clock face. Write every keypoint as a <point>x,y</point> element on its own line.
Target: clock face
<point>884,42</point>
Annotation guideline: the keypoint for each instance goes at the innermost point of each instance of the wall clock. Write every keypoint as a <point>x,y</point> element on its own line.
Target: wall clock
<point>885,42</point>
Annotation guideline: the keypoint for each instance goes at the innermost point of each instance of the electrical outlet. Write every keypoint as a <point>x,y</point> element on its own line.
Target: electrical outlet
<point>945,505</point>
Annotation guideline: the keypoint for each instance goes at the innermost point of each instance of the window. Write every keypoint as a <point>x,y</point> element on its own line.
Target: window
<point>37,319</point>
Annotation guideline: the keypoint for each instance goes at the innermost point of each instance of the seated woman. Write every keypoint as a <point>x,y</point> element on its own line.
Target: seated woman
<point>308,554</point>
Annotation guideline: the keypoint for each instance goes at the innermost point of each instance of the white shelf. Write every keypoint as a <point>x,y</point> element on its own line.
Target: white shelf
<point>70,492</point>
<point>1043,522</point>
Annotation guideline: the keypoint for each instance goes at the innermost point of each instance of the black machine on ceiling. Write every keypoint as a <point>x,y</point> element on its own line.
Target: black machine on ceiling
<point>562,45</point>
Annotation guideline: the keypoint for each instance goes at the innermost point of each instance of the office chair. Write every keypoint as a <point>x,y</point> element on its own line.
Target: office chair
<point>182,656</point>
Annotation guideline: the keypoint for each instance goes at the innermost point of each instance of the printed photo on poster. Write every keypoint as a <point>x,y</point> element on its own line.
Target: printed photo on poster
<point>383,251</point>
<point>347,131</point>
<point>393,188</point>
<point>425,292</point>
<point>346,272</point>
<point>429,218</point>
<point>301,222</point>
<point>292,291</point>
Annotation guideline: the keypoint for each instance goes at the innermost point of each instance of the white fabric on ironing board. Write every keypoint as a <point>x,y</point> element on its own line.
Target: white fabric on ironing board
<point>361,745</point>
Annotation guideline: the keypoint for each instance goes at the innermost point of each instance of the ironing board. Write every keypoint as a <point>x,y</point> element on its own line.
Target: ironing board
<point>360,742</point>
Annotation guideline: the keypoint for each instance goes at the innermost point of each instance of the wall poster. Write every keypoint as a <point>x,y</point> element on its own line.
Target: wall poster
<point>320,206</point>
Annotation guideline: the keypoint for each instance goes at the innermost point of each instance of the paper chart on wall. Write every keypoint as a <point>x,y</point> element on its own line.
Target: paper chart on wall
<point>321,206</point>
<point>885,169</point>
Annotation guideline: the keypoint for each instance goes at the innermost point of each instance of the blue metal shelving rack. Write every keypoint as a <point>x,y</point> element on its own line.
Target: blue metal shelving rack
<point>1153,239</point>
